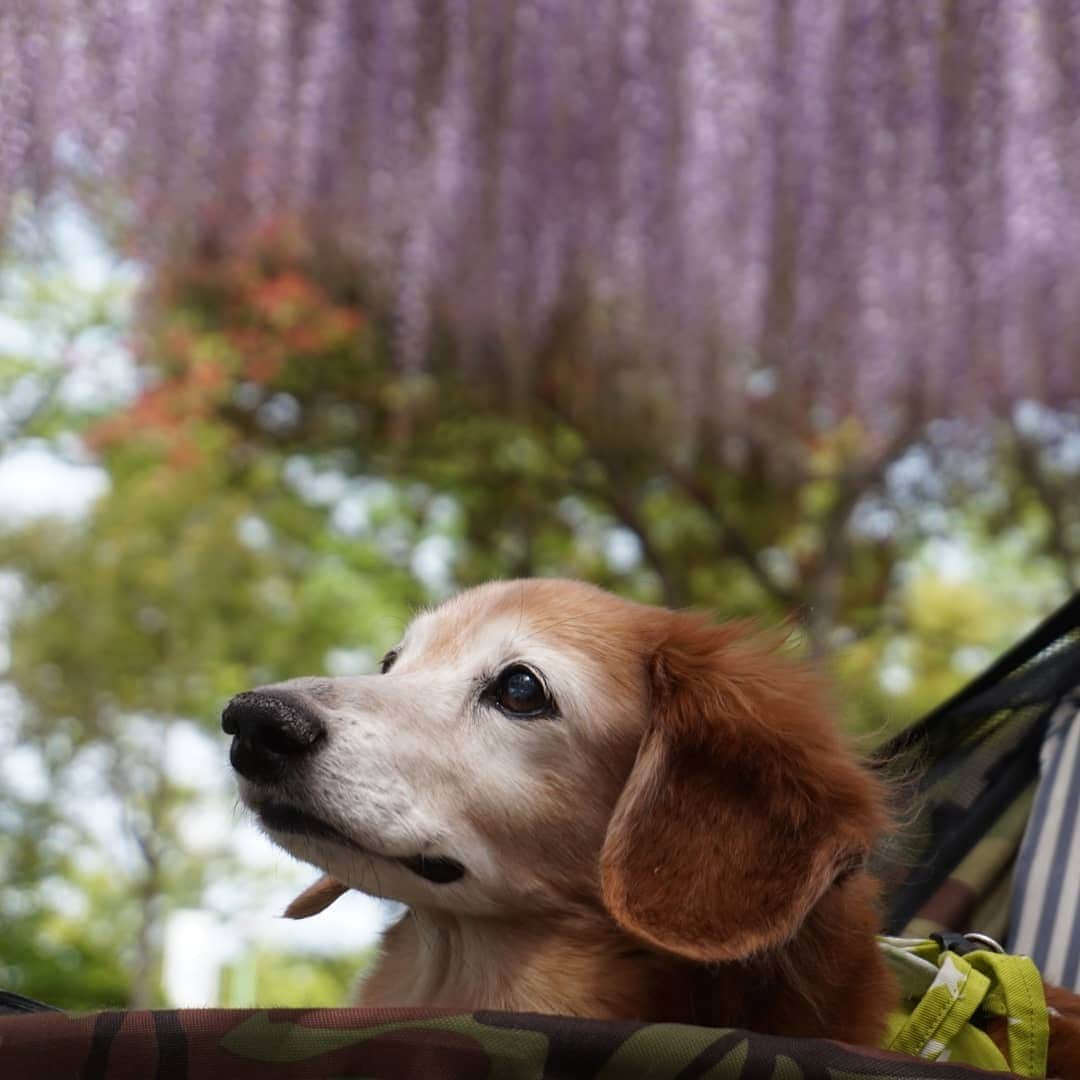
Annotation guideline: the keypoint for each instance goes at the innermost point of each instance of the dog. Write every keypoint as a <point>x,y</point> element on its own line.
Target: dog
<point>590,807</point>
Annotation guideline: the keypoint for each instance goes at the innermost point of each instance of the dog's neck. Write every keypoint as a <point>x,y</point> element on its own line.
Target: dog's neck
<point>829,980</point>
<point>576,964</point>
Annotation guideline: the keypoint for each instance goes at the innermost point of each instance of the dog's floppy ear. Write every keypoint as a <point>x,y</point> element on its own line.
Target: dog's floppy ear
<point>743,806</point>
<point>315,898</point>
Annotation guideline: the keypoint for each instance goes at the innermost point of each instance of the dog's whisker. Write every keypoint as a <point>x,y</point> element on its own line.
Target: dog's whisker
<point>375,874</point>
<point>424,932</point>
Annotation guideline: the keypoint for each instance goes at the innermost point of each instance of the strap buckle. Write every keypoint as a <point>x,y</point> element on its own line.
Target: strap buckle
<point>962,944</point>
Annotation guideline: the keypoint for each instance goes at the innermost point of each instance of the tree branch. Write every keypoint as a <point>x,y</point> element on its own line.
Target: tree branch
<point>626,511</point>
<point>736,544</point>
<point>826,593</point>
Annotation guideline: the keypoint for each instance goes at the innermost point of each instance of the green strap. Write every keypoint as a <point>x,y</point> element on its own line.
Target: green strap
<point>1017,994</point>
<point>945,1009</point>
<point>996,984</point>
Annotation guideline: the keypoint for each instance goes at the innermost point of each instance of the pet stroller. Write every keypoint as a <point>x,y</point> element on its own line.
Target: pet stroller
<point>990,842</point>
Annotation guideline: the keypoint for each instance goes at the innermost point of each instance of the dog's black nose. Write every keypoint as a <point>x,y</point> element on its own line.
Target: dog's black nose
<point>269,732</point>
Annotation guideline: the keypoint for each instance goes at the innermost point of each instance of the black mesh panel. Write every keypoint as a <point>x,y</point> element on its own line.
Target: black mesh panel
<point>959,767</point>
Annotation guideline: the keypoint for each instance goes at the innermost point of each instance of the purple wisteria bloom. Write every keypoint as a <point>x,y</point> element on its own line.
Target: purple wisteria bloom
<point>866,206</point>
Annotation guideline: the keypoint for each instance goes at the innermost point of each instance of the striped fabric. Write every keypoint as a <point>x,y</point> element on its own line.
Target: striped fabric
<point>1045,922</point>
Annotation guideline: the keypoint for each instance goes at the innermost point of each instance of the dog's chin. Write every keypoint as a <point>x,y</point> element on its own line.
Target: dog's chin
<point>303,834</point>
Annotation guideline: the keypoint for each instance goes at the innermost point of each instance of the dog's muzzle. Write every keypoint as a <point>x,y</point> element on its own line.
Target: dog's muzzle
<point>271,732</point>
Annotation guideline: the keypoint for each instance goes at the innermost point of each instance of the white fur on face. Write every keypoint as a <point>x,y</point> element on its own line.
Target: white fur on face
<point>418,762</point>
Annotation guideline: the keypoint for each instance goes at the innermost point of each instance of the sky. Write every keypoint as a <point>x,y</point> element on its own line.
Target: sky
<point>36,479</point>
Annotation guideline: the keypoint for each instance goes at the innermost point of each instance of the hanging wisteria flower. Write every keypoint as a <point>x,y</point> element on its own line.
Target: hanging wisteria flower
<point>859,207</point>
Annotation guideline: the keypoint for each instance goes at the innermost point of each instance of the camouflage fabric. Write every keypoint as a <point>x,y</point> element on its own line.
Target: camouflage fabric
<point>350,1044</point>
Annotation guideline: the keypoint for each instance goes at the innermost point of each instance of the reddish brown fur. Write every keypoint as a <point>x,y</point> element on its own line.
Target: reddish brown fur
<point>741,834</point>
<point>703,856</point>
<point>1064,1053</point>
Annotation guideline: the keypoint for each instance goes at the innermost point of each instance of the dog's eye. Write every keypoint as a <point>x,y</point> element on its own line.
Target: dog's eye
<point>520,692</point>
<point>388,661</point>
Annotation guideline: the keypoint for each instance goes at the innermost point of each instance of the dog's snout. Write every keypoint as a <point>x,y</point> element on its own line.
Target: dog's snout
<point>269,732</point>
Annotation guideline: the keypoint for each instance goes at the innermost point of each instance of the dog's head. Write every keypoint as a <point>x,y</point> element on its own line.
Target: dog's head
<point>535,745</point>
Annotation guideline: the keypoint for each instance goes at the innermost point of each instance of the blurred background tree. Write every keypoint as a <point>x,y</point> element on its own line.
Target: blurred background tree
<point>712,305</point>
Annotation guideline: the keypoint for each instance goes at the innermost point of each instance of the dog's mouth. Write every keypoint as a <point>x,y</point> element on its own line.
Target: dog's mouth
<point>285,818</point>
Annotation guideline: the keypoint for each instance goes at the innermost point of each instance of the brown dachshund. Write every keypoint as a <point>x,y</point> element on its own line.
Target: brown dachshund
<point>595,808</point>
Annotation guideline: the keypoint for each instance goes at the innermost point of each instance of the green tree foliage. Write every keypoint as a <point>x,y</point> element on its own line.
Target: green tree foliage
<point>184,586</point>
<point>292,980</point>
<point>281,498</point>
<point>571,476</point>
<point>198,573</point>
